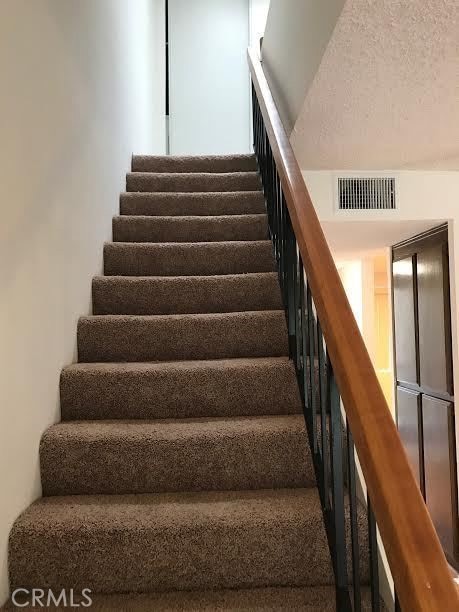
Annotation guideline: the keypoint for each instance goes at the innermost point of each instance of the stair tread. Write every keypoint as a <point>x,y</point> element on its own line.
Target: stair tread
<point>160,542</point>
<point>205,219</point>
<point>183,510</point>
<point>209,278</point>
<point>192,203</point>
<point>233,244</point>
<point>187,163</point>
<point>171,429</point>
<point>209,228</point>
<point>204,316</point>
<point>193,175</point>
<point>186,294</point>
<point>188,258</point>
<point>179,389</point>
<point>116,457</point>
<point>186,364</point>
<point>182,336</point>
<point>193,181</point>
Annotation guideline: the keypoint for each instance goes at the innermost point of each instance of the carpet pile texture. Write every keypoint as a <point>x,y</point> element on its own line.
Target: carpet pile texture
<point>180,476</point>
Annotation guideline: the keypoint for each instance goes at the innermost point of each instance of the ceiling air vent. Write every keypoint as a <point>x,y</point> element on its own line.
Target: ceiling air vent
<point>369,193</point>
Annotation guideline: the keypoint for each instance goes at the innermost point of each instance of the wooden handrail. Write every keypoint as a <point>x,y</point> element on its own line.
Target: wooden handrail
<point>415,556</point>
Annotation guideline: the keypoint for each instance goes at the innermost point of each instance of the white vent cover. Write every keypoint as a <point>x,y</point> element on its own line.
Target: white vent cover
<point>366,193</point>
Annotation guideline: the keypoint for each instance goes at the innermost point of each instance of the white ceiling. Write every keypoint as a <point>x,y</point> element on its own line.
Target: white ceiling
<point>354,239</point>
<point>386,94</point>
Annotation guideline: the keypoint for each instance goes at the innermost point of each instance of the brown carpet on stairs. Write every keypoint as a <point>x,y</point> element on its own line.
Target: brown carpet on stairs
<point>181,337</point>
<point>179,389</point>
<point>153,295</point>
<point>175,455</point>
<point>180,477</point>
<point>188,259</point>
<point>199,181</point>
<point>190,229</point>
<point>188,204</point>
<point>198,163</point>
<point>291,599</point>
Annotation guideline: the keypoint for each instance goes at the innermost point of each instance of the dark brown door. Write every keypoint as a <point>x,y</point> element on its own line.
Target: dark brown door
<point>424,375</point>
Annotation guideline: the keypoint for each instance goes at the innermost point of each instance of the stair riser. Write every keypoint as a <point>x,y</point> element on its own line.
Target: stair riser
<point>250,551</point>
<point>141,462</point>
<point>177,204</point>
<point>199,229</point>
<point>182,295</point>
<point>188,183</point>
<point>241,163</point>
<point>113,339</point>
<point>204,259</point>
<point>179,391</point>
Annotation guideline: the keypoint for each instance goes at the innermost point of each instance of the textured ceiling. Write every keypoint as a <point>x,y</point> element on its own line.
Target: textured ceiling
<point>386,94</point>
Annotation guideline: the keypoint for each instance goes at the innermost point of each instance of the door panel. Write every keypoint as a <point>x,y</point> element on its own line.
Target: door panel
<point>209,78</point>
<point>434,360</point>
<point>440,469</point>
<point>408,411</point>
<point>425,403</point>
<point>404,313</point>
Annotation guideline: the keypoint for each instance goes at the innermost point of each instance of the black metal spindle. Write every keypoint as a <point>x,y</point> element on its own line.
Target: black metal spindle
<point>351,484</point>
<point>278,217</point>
<point>312,380</point>
<point>291,287</point>
<point>284,261</point>
<point>373,546</point>
<point>304,339</point>
<point>281,238</point>
<point>323,393</point>
<point>297,313</point>
<point>337,485</point>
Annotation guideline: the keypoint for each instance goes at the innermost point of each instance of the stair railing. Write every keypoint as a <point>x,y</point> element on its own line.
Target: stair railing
<point>344,407</point>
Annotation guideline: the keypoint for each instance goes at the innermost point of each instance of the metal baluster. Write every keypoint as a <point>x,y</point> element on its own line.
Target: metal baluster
<point>323,404</point>
<point>297,310</point>
<point>337,486</point>
<point>353,519</point>
<point>280,268</point>
<point>276,214</point>
<point>274,199</point>
<point>304,340</point>
<point>284,261</point>
<point>278,191</point>
<point>374,571</point>
<point>312,382</point>
<point>291,287</point>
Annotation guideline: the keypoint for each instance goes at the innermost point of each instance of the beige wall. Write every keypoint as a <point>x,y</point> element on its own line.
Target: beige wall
<point>296,36</point>
<point>82,89</point>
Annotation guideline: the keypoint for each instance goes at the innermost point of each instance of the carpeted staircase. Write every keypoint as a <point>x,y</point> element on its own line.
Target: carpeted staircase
<point>180,477</point>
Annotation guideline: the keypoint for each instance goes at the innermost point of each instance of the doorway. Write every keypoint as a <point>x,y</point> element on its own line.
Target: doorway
<point>424,375</point>
<point>209,92</point>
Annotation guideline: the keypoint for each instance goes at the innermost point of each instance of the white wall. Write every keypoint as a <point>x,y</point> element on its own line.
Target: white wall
<point>210,110</point>
<point>258,17</point>
<point>81,91</point>
<point>296,36</point>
